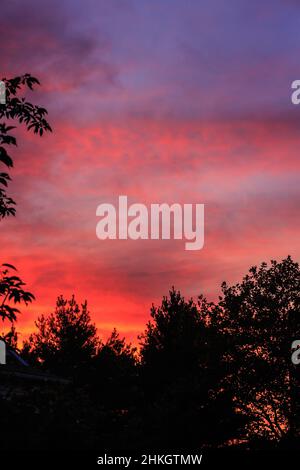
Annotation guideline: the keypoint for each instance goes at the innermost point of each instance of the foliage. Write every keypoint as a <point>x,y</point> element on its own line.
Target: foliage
<point>66,339</point>
<point>207,375</point>
<point>17,109</point>
<point>185,377</point>
<point>33,116</point>
<point>261,316</point>
<point>11,337</point>
<point>11,292</point>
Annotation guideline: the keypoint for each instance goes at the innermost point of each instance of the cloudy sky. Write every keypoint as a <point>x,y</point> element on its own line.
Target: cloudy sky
<point>165,101</point>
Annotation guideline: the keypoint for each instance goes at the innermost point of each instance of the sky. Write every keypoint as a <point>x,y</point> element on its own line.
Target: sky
<point>163,101</point>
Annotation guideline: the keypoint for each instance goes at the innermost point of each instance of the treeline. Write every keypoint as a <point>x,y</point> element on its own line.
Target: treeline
<point>206,374</point>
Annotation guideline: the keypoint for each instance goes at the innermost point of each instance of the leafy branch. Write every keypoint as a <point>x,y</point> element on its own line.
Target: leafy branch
<point>34,118</point>
<point>11,291</point>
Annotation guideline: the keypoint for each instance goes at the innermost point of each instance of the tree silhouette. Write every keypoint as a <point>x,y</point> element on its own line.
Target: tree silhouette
<point>261,315</point>
<point>33,116</point>
<point>66,340</point>
<point>11,290</point>
<point>115,354</point>
<point>207,375</point>
<point>88,409</point>
<point>11,337</point>
<point>113,375</point>
<point>184,377</point>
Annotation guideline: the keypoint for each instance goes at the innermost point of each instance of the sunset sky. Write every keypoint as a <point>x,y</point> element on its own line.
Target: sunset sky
<point>164,101</point>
